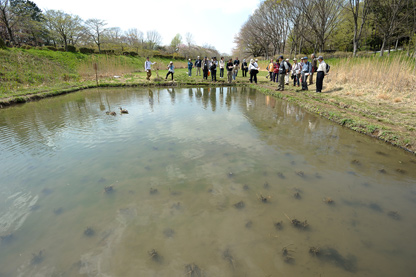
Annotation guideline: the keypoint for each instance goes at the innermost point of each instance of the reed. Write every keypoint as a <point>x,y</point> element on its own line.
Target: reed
<point>390,79</point>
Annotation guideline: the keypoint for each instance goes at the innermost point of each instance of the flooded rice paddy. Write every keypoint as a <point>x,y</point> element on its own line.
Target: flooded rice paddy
<point>198,182</point>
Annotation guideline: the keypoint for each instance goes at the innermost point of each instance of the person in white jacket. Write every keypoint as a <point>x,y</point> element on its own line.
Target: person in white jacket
<point>321,72</point>
<point>253,68</point>
<point>148,67</point>
<point>296,68</point>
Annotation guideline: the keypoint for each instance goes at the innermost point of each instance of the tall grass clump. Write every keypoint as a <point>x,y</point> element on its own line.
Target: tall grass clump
<point>388,78</point>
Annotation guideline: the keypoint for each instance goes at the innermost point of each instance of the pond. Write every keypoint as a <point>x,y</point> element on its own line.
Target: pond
<point>198,182</point>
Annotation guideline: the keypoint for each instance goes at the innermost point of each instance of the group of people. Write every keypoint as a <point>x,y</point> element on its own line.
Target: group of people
<point>279,71</point>
<point>210,67</point>
<point>301,72</point>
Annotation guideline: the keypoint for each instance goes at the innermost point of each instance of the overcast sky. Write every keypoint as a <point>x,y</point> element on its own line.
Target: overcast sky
<point>213,22</point>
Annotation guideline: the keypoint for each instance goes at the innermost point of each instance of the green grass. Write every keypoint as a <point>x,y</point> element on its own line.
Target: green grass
<point>23,71</point>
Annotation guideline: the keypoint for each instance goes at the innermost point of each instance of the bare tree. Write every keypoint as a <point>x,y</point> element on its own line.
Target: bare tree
<point>135,38</point>
<point>323,16</point>
<point>7,18</point>
<point>360,10</point>
<point>189,39</point>
<point>153,39</point>
<point>115,36</point>
<point>96,28</point>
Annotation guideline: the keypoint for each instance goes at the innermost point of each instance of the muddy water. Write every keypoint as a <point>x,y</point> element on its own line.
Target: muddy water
<point>178,163</point>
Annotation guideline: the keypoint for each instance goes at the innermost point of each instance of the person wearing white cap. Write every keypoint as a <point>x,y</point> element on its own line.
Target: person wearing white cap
<point>198,66</point>
<point>171,70</point>
<point>190,65</point>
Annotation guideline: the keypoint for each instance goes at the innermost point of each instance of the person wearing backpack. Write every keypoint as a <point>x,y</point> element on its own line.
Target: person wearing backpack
<point>321,72</point>
<point>283,70</point>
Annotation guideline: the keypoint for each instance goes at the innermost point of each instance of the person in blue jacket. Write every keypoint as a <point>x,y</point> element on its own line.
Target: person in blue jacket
<point>190,66</point>
<point>306,72</point>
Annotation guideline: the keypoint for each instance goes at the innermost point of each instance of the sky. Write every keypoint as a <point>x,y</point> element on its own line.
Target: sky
<point>213,22</point>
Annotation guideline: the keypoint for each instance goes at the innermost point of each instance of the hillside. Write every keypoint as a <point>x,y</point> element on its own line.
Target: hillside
<point>22,70</point>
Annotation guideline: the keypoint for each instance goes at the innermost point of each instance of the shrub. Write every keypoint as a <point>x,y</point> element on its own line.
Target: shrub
<point>25,47</point>
<point>85,50</point>
<point>52,48</point>
<point>71,48</point>
<point>61,49</point>
<point>133,54</point>
<point>107,52</point>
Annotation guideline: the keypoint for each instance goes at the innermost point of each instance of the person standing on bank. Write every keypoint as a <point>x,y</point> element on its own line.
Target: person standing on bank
<point>276,66</point>
<point>270,68</point>
<point>289,68</point>
<point>148,67</point>
<point>222,65</point>
<point>198,66</point>
<point>283,70</point>
<point>254,69</point>
<point>306,71</point>
<point>190,66</point>
<point>213,69</point>
<point>205,67</point>
<point>237,64</point>
<point>314,67</point>
<point>244,68</point>
<point>171,70</point>
<point>321,72</point>
<point>230,67</point>
<point>296,67</point>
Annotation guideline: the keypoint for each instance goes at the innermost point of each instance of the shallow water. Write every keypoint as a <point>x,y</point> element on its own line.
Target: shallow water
<point>203,150</point>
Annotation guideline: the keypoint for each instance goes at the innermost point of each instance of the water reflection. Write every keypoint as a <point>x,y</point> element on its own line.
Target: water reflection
<point>188,168</point>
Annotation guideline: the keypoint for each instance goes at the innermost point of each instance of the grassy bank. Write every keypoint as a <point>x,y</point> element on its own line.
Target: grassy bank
<point>366,95</point>
<point>24,72</point>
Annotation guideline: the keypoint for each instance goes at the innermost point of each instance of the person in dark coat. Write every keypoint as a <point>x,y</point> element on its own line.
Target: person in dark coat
<point>244,68</point>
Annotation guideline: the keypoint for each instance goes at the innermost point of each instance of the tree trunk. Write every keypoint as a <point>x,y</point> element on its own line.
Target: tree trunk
<point>7,25</point>
<point>382,47</point>
<point>397,44</point>
<point>66,43</point>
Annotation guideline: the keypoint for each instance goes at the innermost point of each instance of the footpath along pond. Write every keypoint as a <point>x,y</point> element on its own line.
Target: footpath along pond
<point>198,182</point>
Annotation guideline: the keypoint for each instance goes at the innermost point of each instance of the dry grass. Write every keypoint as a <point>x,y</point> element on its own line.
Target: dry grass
<point>374,79</point>
<point>110,65</point>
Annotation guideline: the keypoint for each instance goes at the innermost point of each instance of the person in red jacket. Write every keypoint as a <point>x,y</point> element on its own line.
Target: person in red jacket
<point>276,71</point>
